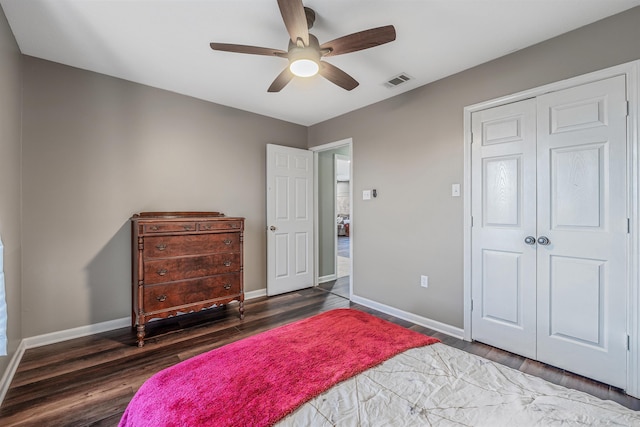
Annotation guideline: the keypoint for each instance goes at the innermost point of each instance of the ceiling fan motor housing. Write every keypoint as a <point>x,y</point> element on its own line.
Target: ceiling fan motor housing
<point>310,15</point>
<point>304,61</point>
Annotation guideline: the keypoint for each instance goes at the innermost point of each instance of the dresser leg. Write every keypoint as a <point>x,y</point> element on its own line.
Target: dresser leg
<point>140,335</point>
<point>241,308</point>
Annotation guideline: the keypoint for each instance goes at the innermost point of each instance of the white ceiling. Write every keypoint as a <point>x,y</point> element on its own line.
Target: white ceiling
<point>165,43</point>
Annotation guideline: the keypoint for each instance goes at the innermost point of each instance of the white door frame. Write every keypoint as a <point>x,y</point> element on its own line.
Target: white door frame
<point>337,157</point>
<point>316,150</point>
<point>632,72</point>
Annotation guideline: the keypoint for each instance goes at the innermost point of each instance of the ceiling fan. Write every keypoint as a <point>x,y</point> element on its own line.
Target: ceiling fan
<point>305,52</point>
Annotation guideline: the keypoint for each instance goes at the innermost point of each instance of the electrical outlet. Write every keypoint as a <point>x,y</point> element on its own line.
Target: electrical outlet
<point>424,281</point>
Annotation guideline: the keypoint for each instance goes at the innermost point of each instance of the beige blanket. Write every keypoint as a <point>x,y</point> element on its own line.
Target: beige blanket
<point>440,385</point>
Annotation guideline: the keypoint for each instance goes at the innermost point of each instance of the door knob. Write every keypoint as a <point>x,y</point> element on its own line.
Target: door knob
<point>530,240</point>
<point>273,228</point>
<point>544,240</point>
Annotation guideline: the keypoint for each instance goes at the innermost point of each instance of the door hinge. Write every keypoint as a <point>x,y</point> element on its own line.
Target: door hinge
<point>471,305</point>
<point>472,220</point>
<point>628,108</point>
<point>628,342</point>
<point>628,225</point>
<point>472,137</point>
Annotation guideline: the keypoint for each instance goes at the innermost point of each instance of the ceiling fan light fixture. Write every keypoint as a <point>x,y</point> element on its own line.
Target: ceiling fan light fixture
<point>304,62</point>
<point>304,67</point>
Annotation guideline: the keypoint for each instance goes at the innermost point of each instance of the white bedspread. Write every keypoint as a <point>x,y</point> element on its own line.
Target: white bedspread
<point>438,385</point>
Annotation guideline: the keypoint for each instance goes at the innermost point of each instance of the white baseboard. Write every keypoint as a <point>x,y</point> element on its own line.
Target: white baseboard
<point>413,318</point>
<point>327,278</point>
<point>81,331</point>
<point>68,334</point>
<point>255,294</point>
<point>55,337</point>
<point>52,338</point>
<point>96,328</point>
<point>7,377</point>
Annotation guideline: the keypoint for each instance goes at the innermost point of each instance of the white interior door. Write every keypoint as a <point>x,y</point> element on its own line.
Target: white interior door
<point>504,214</point>
<point>289,219</point>
<point>553,168</point>
<point>582,210</point>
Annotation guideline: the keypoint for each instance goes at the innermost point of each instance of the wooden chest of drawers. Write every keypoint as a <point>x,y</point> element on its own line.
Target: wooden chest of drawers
<point>184,262</point>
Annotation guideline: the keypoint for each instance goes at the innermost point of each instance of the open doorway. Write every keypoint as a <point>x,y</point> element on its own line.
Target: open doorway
<point>334,217</point>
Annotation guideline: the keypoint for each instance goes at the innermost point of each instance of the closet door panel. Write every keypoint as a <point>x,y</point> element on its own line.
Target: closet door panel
<point>582,211</point>
<point>503,192</point>
<point>577,193</point>
<point>577,291</point>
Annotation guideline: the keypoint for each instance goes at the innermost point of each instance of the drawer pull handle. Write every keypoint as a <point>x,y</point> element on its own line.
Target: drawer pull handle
<point>227,286</point>
<point>227,242</point>
<point>161,298</point>
<point>227,263</point>
<point>186,227</point>
<point>161,246</point>
<point>162,272</point>
<point>234,226</point>
<point>155,227</point>
<point>206,227</point>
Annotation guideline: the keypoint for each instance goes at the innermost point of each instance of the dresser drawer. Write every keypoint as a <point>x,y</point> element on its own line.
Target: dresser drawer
<point>163,297</point>
<point>169,227</point>
<point>172,269</point>
<point>190,244</point>
<point>219,225</point>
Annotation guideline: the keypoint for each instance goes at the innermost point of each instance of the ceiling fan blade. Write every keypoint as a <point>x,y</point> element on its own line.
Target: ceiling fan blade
<point>360,40</point>
<point>281,81</point>
<point>336,76</point>
<point>253,50</point>
<point>295,20</point>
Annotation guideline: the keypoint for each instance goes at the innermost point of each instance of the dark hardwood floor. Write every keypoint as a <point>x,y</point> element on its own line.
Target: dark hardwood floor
<point>89,381</point>
<point>340,286</point>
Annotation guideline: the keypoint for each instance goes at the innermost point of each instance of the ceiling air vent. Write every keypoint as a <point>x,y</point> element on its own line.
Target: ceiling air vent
<point>396,81</point>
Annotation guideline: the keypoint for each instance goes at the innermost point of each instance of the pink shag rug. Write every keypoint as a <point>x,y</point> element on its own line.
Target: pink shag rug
<point>259,380</point>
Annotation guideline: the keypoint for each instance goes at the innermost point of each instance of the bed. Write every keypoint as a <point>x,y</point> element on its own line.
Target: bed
<point>345,367</point>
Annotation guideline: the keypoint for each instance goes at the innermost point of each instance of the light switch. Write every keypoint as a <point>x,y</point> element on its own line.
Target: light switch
<point>366,194</point>
<point>455,190</point>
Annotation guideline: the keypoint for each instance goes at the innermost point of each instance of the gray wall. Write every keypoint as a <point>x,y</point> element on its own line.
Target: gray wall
<point>98,149</point>
<point>410,148</point>
<point>327,228</point>
<point>10,110</point>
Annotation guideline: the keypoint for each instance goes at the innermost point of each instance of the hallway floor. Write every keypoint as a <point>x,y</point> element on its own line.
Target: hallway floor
<point>340,286</point>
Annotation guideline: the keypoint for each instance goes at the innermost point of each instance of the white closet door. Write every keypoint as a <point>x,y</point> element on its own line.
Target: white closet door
<point>553,168</point>
<point>504,215</point>
<point>582,193</point>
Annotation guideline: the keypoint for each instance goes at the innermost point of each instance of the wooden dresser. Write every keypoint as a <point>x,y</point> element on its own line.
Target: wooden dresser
<point>184,262</point>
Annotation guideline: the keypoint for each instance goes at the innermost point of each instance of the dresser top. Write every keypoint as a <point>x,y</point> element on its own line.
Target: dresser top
<point>176,215</point>
<point>169,223</point>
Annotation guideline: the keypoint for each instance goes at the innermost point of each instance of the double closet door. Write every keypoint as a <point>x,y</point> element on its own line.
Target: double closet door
<point>550,229</point>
